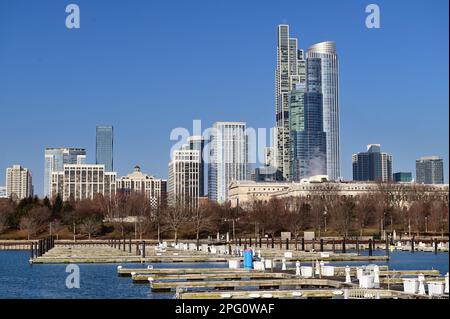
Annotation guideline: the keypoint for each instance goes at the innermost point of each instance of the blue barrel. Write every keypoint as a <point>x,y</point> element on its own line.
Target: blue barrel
<point>248,259</point>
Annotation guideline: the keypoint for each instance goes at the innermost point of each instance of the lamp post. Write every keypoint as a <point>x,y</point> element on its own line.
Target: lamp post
<point>325,220</point>
<point>426,224</point>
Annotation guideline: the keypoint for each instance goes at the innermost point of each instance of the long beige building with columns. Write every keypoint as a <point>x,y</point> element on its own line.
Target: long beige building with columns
<point>243,193</point>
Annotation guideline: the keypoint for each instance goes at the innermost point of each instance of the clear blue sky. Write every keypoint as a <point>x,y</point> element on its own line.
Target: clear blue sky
<point>150,66</point>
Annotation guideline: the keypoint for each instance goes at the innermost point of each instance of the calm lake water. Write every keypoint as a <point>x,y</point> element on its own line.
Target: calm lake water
<point>20,280</point>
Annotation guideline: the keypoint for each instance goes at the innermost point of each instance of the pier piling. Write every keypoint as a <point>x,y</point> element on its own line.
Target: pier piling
<point>370,247</point>
<point>343,245</point>
<point>321,245</point>
<point>387,246</point>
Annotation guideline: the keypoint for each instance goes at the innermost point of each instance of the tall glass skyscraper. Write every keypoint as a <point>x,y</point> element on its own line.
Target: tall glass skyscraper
<point>228,159</point>
<point>55,158</point>
<point>104,147</point>
<point>326,52</point>
<point>308,140</point>
<point>290,71</point>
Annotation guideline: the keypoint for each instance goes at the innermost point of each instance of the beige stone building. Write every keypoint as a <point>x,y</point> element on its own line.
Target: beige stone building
<point>243,193</point>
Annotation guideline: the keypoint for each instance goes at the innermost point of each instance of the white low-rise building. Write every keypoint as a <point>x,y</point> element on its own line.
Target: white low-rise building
<point>155,190</point>
<point>83,181</point>
<point>242,193</point>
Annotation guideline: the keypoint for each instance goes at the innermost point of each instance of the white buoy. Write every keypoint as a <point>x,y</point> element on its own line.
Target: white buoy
<point>297,268</point>
<point>283,266</point>
<point>119,267</point>
<point>446,284</point>
<point>150,267</point>
<point>376,279</point>
<point>348,279</point>
<point>421,279</point>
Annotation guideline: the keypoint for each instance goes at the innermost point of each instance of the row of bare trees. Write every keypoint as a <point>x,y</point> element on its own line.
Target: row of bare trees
<point>134,214</point>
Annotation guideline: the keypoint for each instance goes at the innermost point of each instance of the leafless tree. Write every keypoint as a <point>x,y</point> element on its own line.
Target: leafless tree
<point>176,217</point>
<point>91,225</point>
<point>298,217</point>
<point>6,210</point>
<point>35,220</point>
<point>201,218</point>
<point>365,211</point>
<point>343,214</point>
<point>57,228</point>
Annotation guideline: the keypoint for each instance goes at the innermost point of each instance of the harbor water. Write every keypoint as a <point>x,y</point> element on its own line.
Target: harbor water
<point>20,280</point>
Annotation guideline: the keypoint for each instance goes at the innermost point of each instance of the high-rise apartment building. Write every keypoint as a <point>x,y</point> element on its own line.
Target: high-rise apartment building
<point>430,170</point>
<point>326,52</point>
<point>104,146</point>
<point>308,140</point>
<point>18,182</point>
<point>83,181</point>
<point>372,165</point>
<point>228,160</point>
<point>56,158</point>
<point>197,143</point>
<point>290,71</point>
<point>184,178</point>
<point>155,189</point>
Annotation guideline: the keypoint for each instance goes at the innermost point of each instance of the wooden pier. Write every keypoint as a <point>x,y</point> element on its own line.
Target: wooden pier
<point>292,294</point>
<point>160,286</point>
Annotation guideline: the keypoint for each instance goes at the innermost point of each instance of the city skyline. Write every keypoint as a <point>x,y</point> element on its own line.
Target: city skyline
<point>371,112</point>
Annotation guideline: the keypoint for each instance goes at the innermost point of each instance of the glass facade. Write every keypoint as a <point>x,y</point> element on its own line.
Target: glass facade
<point>372,165</point>
<point>104,147</point>
<point>326,52</point>
<point>197,143</point>
<point>307,138</point>
<point>290,72</point>
<point>403,177</point>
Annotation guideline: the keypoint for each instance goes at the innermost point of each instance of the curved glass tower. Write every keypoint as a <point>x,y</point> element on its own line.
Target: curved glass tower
<point>326,51</point>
